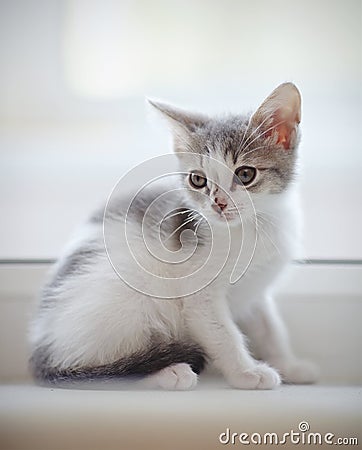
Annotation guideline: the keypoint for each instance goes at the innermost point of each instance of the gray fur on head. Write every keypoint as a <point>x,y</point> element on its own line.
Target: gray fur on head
<point>266,140</point>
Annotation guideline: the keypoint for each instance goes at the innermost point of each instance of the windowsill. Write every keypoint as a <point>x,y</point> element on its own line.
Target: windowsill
<point>321,304</point>
<point>38,418</point>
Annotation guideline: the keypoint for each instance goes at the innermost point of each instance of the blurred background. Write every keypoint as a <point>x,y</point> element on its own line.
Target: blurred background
<point>74,75</point>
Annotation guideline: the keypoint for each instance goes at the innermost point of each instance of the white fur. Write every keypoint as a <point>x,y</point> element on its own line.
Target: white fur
<point>96,318</point>
<point>175,377</point>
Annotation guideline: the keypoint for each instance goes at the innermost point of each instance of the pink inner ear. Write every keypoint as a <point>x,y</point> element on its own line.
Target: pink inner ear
<point>284,128</point>
<point>284,135</point>
<point>283,108</point>
<point>284,132</point>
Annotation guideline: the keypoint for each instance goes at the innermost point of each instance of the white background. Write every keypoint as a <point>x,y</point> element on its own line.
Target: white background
<point>74,75</point>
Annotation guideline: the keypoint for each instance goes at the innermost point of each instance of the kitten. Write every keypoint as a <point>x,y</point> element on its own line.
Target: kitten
<point>183,274</point>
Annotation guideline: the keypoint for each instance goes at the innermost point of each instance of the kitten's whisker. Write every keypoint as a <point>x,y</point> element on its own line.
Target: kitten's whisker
<point>271,240</point>
<point>198,224</point>
<point>266,213</point>
<point>194,216</point>
<point>263,133</point>
<point>262,229</point>
<point>256,148</point>
<point>267,219</point>
<point>257,128</point>
<point>174,215</point>
<point>232,210</point>
<point>258,232</point>
<point>179,228</point>
<point>241,142</point>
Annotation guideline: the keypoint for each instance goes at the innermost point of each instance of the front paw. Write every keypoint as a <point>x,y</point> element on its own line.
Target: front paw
<point>259,377</point>
<point>298,372</point>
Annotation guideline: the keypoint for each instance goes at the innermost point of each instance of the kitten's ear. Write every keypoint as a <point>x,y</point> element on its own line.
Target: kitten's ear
<point>280,114</point>
<point>178,118</point>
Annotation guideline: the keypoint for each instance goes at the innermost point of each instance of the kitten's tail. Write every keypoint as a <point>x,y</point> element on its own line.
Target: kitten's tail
<point>133,367</point>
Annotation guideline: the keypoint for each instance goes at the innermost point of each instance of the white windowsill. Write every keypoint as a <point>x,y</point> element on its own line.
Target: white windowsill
<point>322,305</point>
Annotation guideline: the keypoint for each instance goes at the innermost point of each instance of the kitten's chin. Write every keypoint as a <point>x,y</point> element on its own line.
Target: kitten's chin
<point>231,217</point>
<point>226,218</point>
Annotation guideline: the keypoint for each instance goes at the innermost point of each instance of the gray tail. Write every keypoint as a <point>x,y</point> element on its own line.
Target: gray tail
<point>133,367</point>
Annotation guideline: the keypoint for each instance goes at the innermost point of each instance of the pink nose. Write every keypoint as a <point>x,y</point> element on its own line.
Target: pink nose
<point>221,203</point>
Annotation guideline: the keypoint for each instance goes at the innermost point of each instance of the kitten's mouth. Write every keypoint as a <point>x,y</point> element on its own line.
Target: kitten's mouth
<point>228,215</point>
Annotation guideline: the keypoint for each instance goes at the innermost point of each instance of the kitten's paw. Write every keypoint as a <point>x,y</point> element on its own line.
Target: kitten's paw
<point>176,377</point>
<point>298,372</point>
<point>259,377</point>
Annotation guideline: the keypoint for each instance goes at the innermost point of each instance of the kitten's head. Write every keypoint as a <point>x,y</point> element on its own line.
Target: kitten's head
<point>235,159</point>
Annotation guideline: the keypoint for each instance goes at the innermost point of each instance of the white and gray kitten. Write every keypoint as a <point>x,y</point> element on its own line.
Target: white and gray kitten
<point>104,317</point>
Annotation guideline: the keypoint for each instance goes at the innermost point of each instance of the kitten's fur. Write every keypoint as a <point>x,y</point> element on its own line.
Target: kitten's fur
<point>91,325</point>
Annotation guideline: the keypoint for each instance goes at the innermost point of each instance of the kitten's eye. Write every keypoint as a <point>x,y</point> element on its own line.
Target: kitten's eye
<point>197,180</point>
<point>245,175</point>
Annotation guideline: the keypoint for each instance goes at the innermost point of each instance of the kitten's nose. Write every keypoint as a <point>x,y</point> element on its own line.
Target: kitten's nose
<point>221,203</point>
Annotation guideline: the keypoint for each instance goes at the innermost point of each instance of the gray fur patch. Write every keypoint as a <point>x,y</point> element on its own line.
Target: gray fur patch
<point>78,262</point>
<point>155,357</point>
<point>243,142</point>
<point>97,217</point>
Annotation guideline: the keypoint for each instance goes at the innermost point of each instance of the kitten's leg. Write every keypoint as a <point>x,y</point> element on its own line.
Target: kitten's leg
<point>269,342</point>
<point>174,377</point>
<point>210,324</point>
